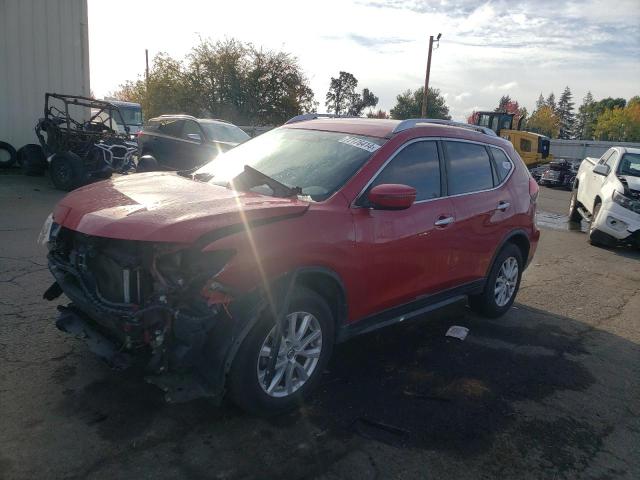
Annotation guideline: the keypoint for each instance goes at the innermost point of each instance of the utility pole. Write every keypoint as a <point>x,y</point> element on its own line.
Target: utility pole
<point>426,78</point>
<point>146,70</point>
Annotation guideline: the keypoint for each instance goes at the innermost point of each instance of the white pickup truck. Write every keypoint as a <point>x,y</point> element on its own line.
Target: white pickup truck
<point>606,192</point>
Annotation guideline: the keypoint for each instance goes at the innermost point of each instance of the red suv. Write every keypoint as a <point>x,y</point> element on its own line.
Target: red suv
<point>242,276</point>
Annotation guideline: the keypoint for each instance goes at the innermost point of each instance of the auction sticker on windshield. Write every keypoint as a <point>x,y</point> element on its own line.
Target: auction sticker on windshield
<point>360,143</point>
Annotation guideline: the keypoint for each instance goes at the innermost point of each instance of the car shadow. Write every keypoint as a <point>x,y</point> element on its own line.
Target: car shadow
<point>405,386</point>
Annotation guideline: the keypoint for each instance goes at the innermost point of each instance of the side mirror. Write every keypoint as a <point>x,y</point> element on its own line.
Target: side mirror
<point>392,196</point>
<point>601,169</point>
<point>195,137</point>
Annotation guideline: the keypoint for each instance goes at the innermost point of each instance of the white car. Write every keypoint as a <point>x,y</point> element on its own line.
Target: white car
<point>606,192</point>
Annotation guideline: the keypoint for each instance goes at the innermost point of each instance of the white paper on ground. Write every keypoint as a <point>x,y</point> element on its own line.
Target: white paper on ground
<point>456,331</point>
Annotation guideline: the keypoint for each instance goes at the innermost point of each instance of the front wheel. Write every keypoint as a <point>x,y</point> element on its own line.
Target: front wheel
<point>502,284</point>
<point>305,348</point>
<point>596,237</point>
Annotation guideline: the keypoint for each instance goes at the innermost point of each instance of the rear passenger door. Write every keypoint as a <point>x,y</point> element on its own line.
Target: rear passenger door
<point>405,252</point>
<point>193,152</point>
<point>482,202</point>
<point>165,146</point>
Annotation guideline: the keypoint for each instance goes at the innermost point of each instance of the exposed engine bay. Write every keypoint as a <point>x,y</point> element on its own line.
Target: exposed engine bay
<point>152,300</point>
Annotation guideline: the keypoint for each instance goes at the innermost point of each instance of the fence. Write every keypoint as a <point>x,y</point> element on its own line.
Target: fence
<point>579,149</point>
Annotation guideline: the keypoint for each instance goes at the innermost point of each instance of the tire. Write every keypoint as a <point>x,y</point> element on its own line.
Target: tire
<point>147,163</point>
<point>574,214</point>
<point>596,237</point>
<point>7,155</point>
<point>489,303</point>
<point>67,171</point>
<point>245,389</point>
<point>32,160</point>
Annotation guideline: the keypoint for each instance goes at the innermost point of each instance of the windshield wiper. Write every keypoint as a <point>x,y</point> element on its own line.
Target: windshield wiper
<point>250,177</point>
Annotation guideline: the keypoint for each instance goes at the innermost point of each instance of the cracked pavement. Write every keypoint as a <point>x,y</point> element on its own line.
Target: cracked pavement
<point>552,390</point>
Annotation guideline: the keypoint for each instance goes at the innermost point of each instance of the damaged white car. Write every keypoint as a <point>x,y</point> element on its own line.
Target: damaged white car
<point>606,192</point>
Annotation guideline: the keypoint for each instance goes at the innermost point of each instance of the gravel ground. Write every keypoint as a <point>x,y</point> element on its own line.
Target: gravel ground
<point>552,390</point>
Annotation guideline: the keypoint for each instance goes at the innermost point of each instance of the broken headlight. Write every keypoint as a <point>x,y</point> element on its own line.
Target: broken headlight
<point>191,268</point>
<point>626,202</point>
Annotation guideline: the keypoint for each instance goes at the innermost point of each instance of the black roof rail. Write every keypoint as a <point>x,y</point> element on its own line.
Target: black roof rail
<point>414,122</point>
<point>314,116</point>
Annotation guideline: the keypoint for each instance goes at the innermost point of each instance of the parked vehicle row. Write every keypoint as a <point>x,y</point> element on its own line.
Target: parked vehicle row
<point>241,276</point>
<point>606,192</point>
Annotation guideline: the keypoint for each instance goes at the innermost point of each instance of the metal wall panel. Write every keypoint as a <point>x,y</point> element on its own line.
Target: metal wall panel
<point>579,149</point>
<point>44,47</point>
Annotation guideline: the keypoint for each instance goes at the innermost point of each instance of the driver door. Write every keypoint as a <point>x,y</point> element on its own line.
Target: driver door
<point>405,252</point>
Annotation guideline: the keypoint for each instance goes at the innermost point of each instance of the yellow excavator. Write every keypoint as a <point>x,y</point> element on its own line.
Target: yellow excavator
<point>532,147</point>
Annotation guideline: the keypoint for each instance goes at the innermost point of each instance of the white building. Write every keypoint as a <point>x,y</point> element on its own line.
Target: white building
<point>44,47</point>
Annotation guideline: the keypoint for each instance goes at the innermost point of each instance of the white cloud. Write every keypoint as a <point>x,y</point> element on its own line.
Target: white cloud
<point>516,48</point>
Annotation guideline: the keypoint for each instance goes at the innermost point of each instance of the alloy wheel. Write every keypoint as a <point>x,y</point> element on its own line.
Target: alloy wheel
<point>297,358</point>
<point>506,281</point>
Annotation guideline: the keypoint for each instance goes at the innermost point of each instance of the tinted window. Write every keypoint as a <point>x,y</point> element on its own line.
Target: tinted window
<point>525,145</point>
<point>503,164</point>
<point>172,127</point>
<point>416,165</point>
<point>191,128</point>
<point>468,168</point>
<point>221,132</point>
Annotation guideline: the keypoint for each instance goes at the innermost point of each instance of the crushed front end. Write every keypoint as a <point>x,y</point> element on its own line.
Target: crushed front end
<point>155,302</point>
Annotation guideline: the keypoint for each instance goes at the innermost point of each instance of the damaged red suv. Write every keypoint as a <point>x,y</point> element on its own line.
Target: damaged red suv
<point>240,277</point>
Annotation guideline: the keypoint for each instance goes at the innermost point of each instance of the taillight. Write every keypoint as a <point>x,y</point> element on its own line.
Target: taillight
<point>533,190</point>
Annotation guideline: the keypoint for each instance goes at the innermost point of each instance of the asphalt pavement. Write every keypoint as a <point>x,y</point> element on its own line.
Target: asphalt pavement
<point>551,390</point>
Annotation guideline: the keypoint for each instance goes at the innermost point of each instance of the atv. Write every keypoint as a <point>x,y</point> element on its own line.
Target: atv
<point>81,140</point>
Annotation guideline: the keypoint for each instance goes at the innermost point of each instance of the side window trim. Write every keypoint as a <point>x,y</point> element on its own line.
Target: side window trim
<point>443,170</point>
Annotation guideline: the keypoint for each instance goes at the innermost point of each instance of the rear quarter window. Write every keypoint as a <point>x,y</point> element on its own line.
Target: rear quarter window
<point>468,167</point>
<point>502,163</point>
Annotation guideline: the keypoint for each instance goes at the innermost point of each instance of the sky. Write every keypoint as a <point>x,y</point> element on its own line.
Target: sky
<point>487,49</point>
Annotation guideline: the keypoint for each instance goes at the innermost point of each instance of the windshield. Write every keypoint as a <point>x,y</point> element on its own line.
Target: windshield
<point>630,165</point>
<point>131,115</point>
<point>317,162</point>
<point>220,132</point>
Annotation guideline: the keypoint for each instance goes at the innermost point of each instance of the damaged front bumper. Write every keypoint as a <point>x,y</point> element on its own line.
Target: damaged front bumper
<point>186,351</point>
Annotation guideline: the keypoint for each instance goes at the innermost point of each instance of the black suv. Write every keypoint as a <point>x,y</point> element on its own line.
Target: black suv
<point>182,142</point>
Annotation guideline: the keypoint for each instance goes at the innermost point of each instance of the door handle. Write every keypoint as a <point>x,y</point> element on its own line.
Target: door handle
<point>442,221</point>
<point>503,206</point>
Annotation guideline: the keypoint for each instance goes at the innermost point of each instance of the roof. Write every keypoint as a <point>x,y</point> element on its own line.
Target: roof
<point>380,128</point>
<point>371,127</point>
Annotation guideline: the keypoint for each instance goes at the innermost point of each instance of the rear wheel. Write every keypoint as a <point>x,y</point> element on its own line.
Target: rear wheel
<point>305,347</point>
<point>32,160</point>
<point>596,237</point>
<point>502,284</point>
<point>7,155</point>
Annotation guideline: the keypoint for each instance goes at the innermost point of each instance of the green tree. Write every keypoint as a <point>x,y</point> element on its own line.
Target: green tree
<point>342,95</point>
<point>565,114</point>
<point>409,105</point>
<point>365,100</point>
<point>226,79</point>
<point>585,119</point>
<point>379,114</point>
<point>540,102</point>
<point>544,121</point>
<point>619,124</point>
<point>551,102</point>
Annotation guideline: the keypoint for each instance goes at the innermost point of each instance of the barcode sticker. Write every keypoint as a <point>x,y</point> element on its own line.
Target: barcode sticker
<point>360,143</point>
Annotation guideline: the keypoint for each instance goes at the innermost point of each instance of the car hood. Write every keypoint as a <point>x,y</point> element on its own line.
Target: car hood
<point>165,207</point>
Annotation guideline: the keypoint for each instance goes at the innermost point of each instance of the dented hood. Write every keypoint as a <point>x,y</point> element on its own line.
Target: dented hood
<point>165,207</point>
